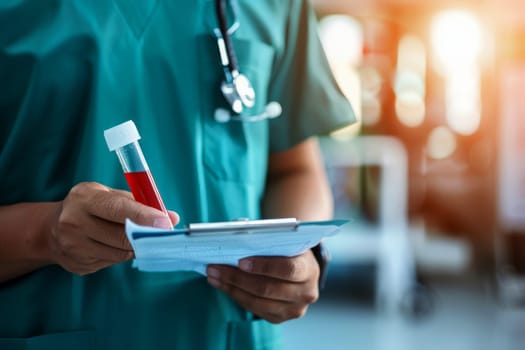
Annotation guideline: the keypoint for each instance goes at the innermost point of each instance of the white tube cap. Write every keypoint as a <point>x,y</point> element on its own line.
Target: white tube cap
<point>121,135</point>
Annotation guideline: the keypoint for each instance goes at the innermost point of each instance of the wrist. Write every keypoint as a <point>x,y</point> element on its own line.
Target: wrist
<point>34,222</point>
<point>42,243</point>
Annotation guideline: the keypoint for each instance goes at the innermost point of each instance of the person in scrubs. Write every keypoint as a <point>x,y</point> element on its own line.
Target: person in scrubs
<point>70,70</point>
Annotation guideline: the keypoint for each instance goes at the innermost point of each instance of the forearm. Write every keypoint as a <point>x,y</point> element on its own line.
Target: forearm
<point>23,243</point>
<point>300,190</point>
<point>300,195</point>
<point>297,186</point>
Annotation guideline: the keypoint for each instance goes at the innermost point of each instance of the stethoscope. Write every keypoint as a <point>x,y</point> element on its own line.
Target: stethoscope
<point>236,87</point>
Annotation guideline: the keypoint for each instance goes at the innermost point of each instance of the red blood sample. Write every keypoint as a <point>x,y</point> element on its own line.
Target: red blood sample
<point>144,189</point>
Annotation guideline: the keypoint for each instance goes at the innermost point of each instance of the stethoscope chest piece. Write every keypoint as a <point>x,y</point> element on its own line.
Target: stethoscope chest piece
<point>239,92</point>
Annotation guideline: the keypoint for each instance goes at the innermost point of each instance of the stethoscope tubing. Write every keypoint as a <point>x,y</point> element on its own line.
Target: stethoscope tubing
<point>220,9</point>
<point>233,78</point>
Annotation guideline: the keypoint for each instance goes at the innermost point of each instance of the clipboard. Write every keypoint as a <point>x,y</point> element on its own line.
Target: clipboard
<point>193,247</point>
<point>241,226</point>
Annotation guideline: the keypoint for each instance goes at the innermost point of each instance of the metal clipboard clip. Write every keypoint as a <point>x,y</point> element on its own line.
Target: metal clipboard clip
<point>243,226</point>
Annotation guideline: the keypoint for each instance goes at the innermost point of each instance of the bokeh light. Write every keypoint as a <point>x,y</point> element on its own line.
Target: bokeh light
<point>441,143</point>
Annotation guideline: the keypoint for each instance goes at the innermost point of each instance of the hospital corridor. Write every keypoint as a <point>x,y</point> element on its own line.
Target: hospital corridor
<point>433,178</point>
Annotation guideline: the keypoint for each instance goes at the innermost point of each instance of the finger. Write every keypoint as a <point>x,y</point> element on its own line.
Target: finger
<point>271,310</point>
<point>174,217</point>
<point>90,256</point>
<point>294,269</point>
<point>264,287</point>
<point>110,234</point>
<point>106,253</point>
<point>115,207</point>
<point>123,193</point>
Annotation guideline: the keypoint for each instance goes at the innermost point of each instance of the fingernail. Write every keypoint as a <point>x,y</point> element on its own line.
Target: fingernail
<point>246,265</point>
<point>214,273</point>
<point>176,216</point>
<point>162,222</point>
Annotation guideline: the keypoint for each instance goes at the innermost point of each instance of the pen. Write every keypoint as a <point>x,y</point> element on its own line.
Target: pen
<point>123,139</point>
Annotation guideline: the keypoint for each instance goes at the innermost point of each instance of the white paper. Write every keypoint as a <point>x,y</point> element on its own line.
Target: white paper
<point>177,252</point>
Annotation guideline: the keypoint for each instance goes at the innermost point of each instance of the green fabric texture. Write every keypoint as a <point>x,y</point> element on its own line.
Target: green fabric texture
<point>71,69</point>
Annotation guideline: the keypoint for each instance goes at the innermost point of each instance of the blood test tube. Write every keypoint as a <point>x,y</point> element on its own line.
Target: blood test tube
<point>123,139</point>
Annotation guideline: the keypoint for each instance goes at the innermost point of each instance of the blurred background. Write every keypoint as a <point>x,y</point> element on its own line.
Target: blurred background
<point>432,177</point>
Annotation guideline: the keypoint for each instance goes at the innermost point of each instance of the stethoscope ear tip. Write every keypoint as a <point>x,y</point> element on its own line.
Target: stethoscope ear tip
<point>274,109</point>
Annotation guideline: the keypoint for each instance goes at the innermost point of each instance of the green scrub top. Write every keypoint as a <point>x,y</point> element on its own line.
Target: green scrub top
<point>71,69</point>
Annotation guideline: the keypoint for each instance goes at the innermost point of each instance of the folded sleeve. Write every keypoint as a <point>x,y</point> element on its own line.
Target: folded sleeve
<point>303,83</point>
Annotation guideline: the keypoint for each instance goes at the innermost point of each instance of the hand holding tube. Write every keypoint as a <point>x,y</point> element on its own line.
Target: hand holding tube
<point>87,233</point>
